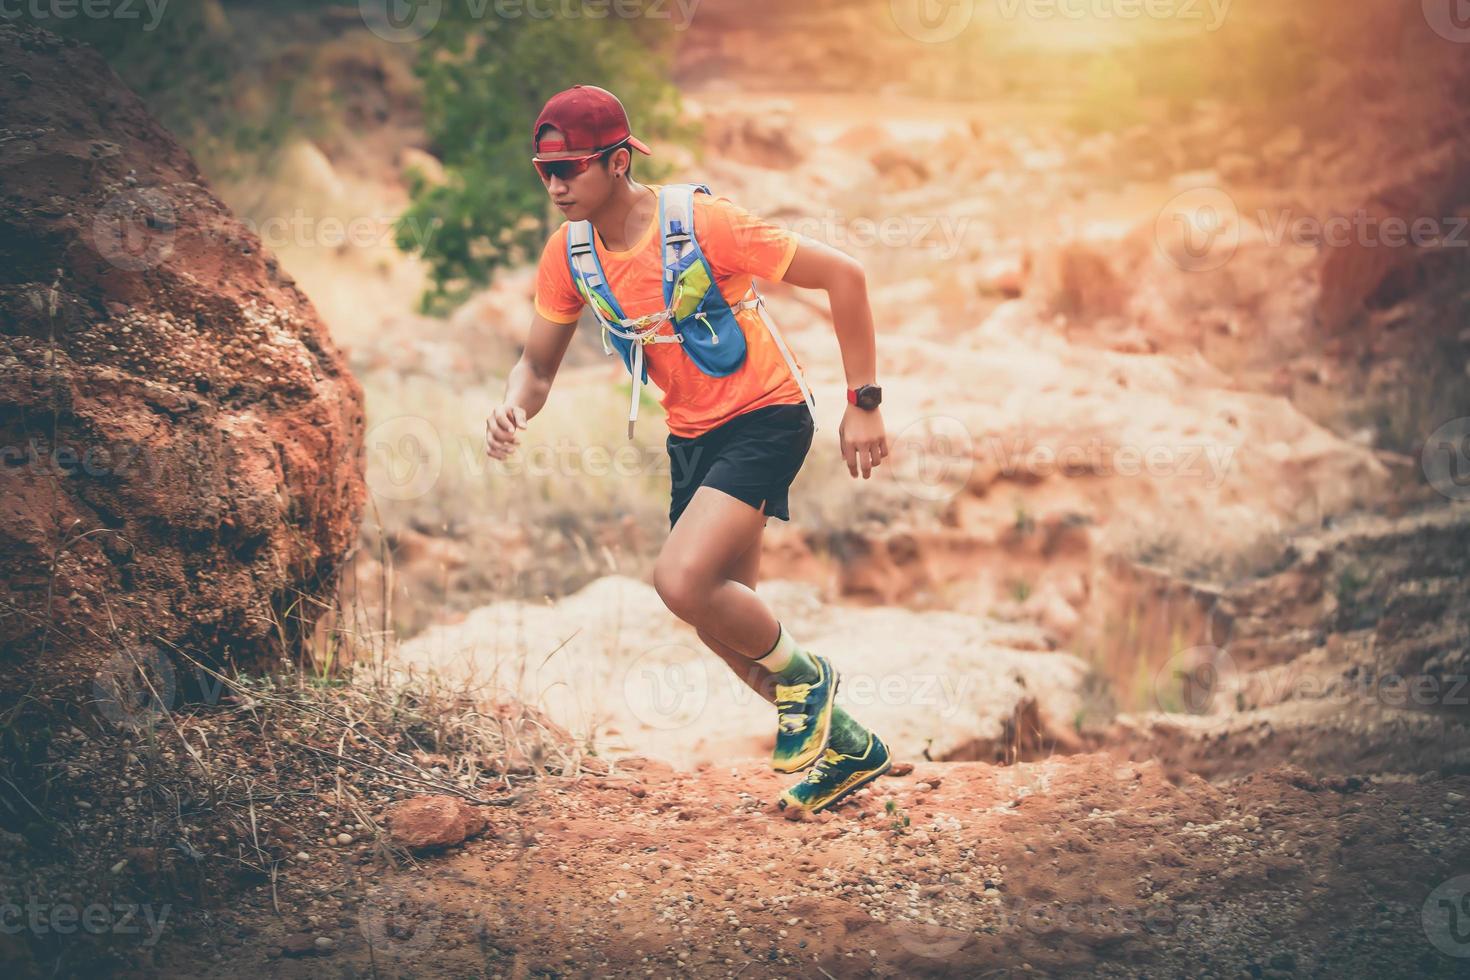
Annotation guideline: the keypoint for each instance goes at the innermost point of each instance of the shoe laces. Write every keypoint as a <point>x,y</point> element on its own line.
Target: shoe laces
<point>788,697</point>
<point>824,765</point>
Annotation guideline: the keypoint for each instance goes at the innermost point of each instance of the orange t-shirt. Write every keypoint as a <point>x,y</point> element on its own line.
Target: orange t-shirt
<point>738,246</point>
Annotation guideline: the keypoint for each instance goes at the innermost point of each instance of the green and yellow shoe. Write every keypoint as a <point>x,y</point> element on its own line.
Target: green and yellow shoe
<point>804,719</point>
<point>837,775</point>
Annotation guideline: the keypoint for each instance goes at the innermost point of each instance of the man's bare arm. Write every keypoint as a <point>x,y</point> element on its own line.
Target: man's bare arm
<point>862,439</point>
<point>528,384</point>
<point>820,266</point>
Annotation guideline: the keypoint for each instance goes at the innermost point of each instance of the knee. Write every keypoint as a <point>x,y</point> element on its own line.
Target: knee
<point>683,592</point>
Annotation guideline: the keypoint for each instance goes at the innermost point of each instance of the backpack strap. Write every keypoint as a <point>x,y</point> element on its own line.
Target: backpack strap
<point>587,268</point>
<point>676,218</point>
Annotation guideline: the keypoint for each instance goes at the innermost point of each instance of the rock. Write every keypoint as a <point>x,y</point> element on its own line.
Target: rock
<point>428,823</point>
<point>1002,275</point>
<point>203,460</point>
<point>298,945</point>
<point>901,169</point>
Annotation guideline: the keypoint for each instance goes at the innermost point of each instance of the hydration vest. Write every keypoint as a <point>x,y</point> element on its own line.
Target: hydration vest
<point>704,323</point>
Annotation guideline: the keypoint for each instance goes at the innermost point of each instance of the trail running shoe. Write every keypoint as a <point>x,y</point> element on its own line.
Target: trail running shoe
<point>804,719</point>
<point>837,775</point>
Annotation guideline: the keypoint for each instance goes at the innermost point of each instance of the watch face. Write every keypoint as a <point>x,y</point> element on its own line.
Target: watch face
<point>869,396</point>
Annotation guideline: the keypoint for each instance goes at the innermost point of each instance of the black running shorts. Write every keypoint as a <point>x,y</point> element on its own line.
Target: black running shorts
<point>753,457</point>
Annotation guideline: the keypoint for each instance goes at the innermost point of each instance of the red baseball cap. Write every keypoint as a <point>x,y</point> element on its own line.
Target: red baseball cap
<point>590,118</point>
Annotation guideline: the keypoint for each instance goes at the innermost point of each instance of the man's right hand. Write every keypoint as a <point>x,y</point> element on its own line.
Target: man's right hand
<point>501,430</point>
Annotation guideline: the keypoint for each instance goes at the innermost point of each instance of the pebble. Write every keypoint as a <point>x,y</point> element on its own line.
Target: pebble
<point>344,839</point>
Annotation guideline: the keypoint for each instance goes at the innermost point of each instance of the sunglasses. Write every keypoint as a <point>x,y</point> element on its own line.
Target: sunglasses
<point>566,168</point>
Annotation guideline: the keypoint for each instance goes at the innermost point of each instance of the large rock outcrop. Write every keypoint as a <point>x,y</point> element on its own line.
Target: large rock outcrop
<point>181,438</point>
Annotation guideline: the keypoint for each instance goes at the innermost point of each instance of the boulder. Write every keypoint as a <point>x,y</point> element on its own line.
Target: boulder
<point>181,438</point>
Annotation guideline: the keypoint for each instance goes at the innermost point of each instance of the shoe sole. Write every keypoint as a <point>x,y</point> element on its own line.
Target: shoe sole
<point>801,763</point>
<point>848,791</point>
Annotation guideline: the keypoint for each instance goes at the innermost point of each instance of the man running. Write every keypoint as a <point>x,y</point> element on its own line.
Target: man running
<point>737,436</point>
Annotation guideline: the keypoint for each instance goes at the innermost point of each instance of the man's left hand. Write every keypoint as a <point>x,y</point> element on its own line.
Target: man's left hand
<point>863,440</point>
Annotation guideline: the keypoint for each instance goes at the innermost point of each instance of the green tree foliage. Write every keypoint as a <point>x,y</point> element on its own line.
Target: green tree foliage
<point>487,70</point>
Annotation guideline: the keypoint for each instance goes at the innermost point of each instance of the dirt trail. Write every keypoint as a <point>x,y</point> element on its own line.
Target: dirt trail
<point>1082,865</point>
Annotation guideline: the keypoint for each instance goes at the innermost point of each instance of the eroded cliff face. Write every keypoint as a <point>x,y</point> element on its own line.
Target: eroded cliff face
<point>181,438</point>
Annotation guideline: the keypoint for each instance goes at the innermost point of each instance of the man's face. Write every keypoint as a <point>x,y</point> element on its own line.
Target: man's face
<point>577,197</point>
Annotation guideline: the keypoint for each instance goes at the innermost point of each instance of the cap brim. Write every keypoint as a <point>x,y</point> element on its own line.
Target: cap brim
<point>639,145</point>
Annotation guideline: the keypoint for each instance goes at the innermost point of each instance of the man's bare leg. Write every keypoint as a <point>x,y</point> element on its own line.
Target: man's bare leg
<point>706,575</point>
<point>692,572</point>
<point>760,680</point>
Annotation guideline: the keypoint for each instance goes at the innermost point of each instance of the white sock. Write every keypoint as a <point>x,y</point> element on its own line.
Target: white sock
<point>781,654</point>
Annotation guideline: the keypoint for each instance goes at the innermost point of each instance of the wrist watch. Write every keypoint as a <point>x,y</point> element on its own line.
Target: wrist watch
<point>867,397</point>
